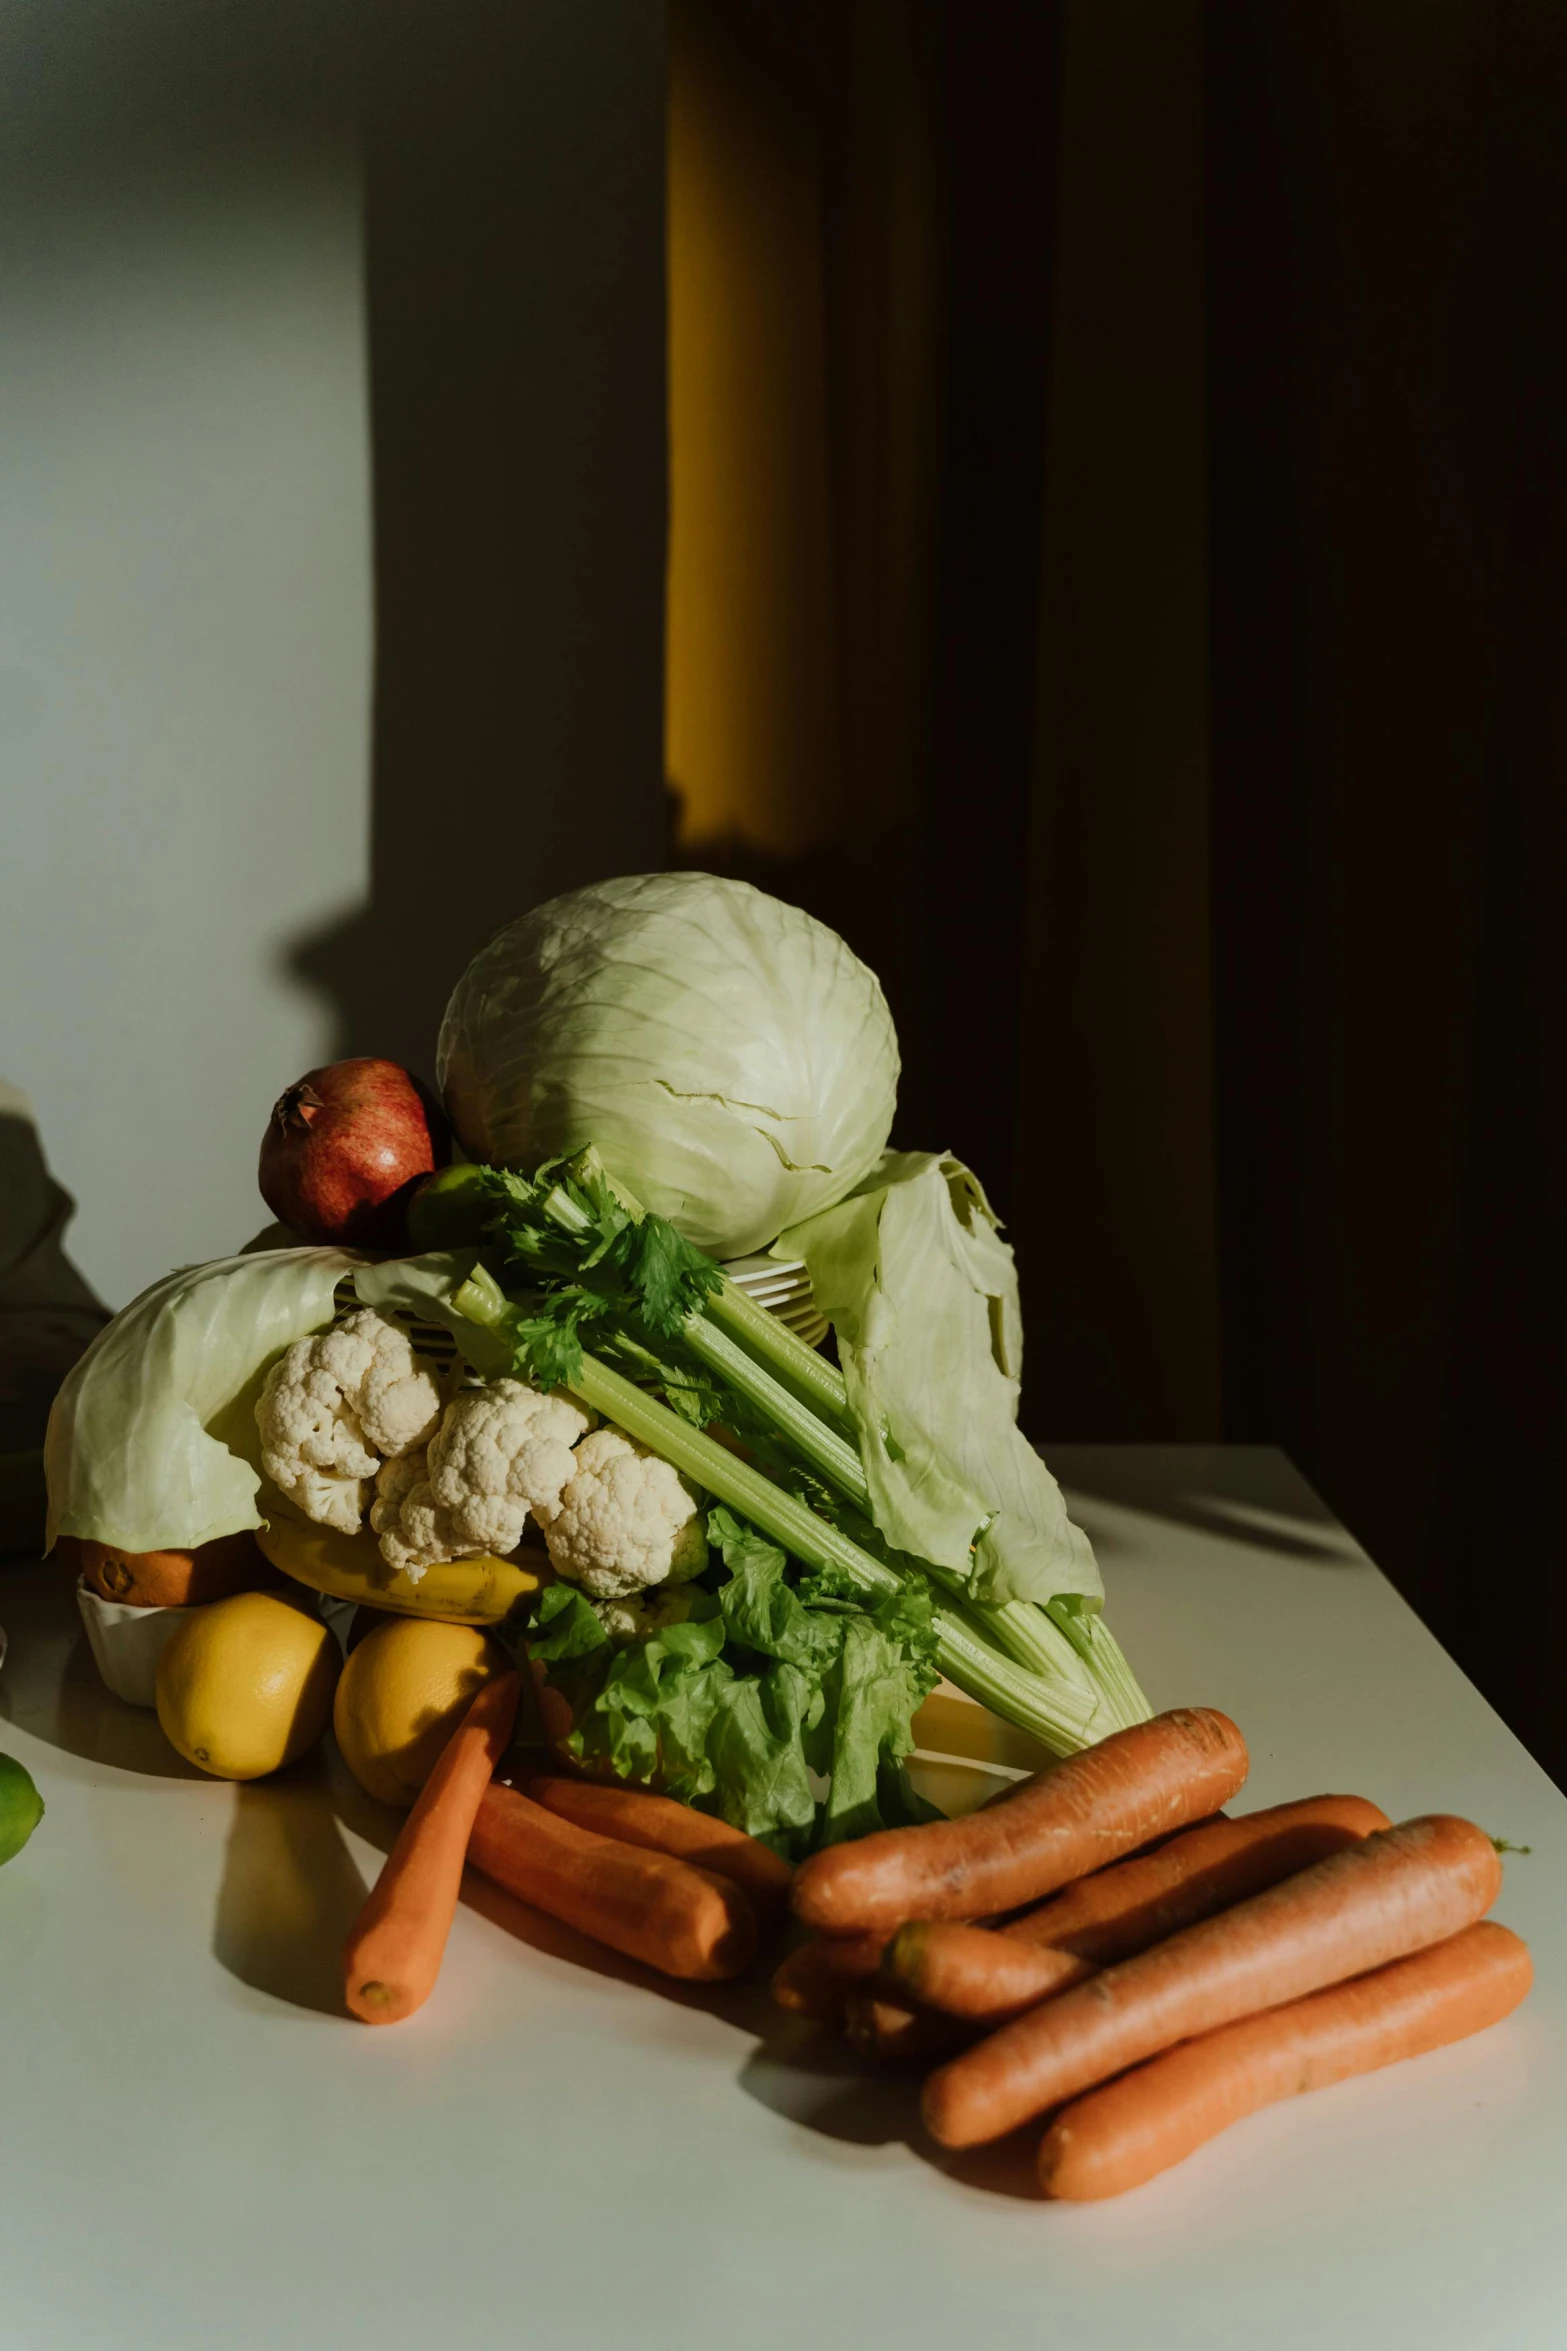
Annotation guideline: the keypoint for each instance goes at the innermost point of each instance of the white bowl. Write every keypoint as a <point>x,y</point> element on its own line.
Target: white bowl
<point>126,1643</point>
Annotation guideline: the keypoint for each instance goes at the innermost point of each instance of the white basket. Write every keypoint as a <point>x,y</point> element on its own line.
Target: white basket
<point>126,1643</point>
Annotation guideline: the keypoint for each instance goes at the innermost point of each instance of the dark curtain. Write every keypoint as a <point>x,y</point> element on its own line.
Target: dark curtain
<point>1387,197</point>
<point>1198,757</point>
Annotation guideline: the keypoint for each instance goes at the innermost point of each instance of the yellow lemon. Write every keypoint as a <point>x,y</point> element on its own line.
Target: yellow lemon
<point>245,1685</point>
<point>402,1693</point>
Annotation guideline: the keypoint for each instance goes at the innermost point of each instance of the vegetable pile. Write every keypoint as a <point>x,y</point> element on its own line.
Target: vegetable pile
<point>648,1592</point>
<point>550,1409</point>
<point>796,1639</point>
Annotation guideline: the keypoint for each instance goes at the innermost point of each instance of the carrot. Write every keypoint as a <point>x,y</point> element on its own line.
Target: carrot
<point>891,2028</point>
<point>682,1920</point>
<point>969,1971</point>
<point>1119,2136</point>
<point>393,1955</point>
<point>1075,1817</point>
<point>638,1818</point>
<point>1140,1901</point>
<point>1394,1892</point>
<point>814,1977</point>
<point>974,1972</point>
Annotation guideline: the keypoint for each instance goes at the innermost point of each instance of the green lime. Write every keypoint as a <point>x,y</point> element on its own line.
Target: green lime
<point>449,1210</point>
<point>21,1807</point>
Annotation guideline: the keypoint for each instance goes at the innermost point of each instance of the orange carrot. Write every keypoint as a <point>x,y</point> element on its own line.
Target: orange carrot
<point>887,2027</point>
<point>638,1818</point>
<point>971,1971</point>
<point>974,1972</point>
<point>554,1707</point>
<point>1393,1893</point>
<point>1123,2134</point>
<point>1140,1901</point>
<point>393,1956</point>
<point>682,1920</point>
<point>814,1978</point>
<point>1075,1817</point>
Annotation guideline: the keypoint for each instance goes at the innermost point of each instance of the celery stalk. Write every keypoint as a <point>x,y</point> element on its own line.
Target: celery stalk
<point>837,1460</point>
<point>1046,1676</point>
<point>801,1368</point>
<point>1105,1661</point>
<point>1056,1713</point>
<point>806,1374</point>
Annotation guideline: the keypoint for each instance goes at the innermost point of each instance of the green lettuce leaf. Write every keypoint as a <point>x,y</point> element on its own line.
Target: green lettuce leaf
<point>760,1744</point>
<point>565,1626</point>
<point>151,1440</point>
<point>871,1701</point>
<point>783,1706</point>
<point>646,1710</point>
<point>761,1611</point>
<point>921,1291</point>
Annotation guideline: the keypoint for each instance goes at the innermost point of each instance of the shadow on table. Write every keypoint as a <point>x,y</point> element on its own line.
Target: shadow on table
<point>1248,1494</point>
<point>291,1891</point>
<point>71,1709</point>
<point>813,2077</point>
<point>801,2071</point>
<point>744,2004</point>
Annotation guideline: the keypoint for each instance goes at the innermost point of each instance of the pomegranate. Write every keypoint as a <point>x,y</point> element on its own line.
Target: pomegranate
<point>344,1145</point>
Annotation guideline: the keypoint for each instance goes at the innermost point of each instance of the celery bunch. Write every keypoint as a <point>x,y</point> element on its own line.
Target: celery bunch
<point>575,1287</point>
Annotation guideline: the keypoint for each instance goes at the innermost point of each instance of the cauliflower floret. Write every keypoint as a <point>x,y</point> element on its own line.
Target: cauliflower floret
<point>399,1399</point>
<point>499,1452</point>
<point>333,1405</point>
<point>415,1531</point>
<point>625,1521</point>
<point>631,1620</point>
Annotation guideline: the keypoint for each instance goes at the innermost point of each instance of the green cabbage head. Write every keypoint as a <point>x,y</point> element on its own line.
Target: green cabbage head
<point>735,1065</point>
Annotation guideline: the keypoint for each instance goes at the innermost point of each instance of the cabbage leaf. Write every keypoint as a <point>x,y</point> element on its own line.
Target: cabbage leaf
<point>152,1444</point>
<point>921,1291</point>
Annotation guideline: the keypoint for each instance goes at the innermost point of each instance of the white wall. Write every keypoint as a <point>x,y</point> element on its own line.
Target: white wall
<point>201,203</point>
<point>184,651</point>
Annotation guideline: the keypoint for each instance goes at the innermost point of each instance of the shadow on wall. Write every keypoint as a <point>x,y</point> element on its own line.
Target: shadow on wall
<point>513,190</point>
<point>48,1315</point>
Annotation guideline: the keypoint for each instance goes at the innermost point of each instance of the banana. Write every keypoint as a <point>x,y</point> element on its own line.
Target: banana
<point>350,1567</point>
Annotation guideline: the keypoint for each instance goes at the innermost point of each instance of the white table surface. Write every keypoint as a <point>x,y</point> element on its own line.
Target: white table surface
<point>196,2149</point>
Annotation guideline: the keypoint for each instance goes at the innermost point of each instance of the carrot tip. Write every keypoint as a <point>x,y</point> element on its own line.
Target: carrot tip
<point>376,1995</point>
